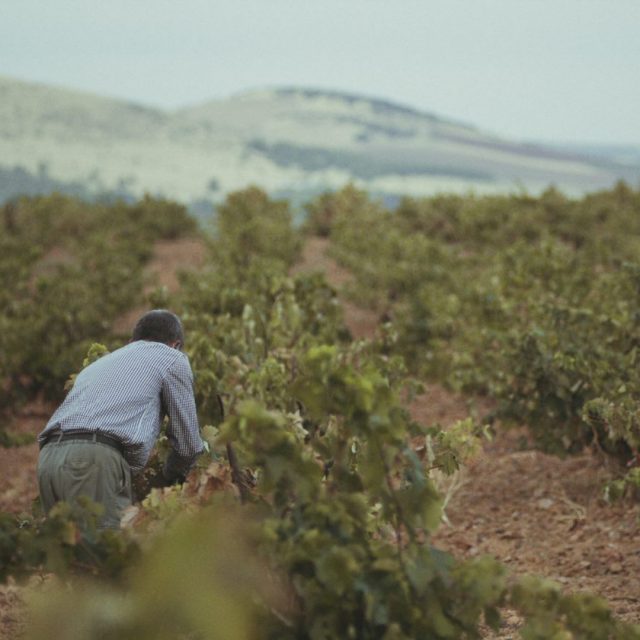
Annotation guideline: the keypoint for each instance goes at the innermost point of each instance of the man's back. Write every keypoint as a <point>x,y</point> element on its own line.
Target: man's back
<point>125,395</point>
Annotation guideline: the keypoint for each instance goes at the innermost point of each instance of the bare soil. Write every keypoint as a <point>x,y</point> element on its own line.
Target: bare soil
<point>362,323</point>
<point>170,258</point>
<point>12,611</point>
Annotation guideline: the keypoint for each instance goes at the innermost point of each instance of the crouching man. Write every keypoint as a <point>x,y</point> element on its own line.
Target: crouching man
<point>110,420</point>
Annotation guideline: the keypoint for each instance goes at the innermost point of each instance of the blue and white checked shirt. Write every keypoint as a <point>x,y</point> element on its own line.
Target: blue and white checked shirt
<point>126,394</point>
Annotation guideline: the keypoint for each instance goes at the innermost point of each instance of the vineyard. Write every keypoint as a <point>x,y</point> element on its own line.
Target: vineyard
<point>423,402</point>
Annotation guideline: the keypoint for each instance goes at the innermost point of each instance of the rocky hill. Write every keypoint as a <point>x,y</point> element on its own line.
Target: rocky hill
<point>291,141</point>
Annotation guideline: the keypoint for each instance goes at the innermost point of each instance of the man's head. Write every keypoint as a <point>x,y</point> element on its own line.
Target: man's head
<point>159,325</point>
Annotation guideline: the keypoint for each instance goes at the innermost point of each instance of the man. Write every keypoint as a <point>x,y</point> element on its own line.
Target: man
<point>110,420</point>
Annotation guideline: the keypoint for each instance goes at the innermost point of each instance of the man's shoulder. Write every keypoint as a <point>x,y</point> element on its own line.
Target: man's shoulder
<point>153,352</point>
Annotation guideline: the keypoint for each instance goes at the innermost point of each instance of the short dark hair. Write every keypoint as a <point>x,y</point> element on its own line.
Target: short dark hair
<point>159,325</point>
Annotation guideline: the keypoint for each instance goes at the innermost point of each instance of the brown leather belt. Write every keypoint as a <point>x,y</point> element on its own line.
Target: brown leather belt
<point>90,436</point>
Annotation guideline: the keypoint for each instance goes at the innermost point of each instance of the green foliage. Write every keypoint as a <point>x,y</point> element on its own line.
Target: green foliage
<point>197,580</point>
<point>67,540</point>
<point>325,210</point>
<point>534,301</point>
<point>552,614</point>
<point>252,227</point>
<point>74,268</point>
<point>96,351</point>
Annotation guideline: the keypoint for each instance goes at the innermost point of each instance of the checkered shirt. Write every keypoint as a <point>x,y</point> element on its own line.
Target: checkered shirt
<point>126,395</point>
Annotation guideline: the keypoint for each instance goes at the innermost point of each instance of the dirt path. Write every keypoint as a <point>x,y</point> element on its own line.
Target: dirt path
<point>361,322</point>
<point>536,513</point>
<point>170,257</point>
<point>544,515</point>
<point>18,487</point>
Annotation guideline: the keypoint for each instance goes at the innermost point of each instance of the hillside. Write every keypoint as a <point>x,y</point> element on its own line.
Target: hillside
<point>292,142</point>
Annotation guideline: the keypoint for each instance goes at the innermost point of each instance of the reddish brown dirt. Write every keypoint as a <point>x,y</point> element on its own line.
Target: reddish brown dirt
<point>18,490</point>
<point>170,257</point>
<point>362,323</point>
<point>545,515</point>
<point>18,487</point>
<point>18,481</point>
<point>12,612</point>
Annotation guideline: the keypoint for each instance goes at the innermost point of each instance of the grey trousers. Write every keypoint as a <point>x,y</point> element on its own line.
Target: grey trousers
<point>75,468</point>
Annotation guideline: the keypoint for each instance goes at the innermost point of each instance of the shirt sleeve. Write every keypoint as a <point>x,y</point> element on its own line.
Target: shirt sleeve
<point>183,431</point>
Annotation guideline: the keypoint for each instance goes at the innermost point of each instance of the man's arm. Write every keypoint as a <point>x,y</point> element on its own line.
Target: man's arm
<point>183,432</point>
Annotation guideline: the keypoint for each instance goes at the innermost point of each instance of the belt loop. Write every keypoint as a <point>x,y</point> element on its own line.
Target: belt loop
<point>95,437</point>
<point>60,436</point>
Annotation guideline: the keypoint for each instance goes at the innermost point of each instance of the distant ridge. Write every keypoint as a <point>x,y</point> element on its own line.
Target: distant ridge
<point>385,107</point>
<point>292,141</point>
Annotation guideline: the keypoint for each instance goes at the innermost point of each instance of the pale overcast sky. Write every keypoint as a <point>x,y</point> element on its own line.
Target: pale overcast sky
<point>566,70</point>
